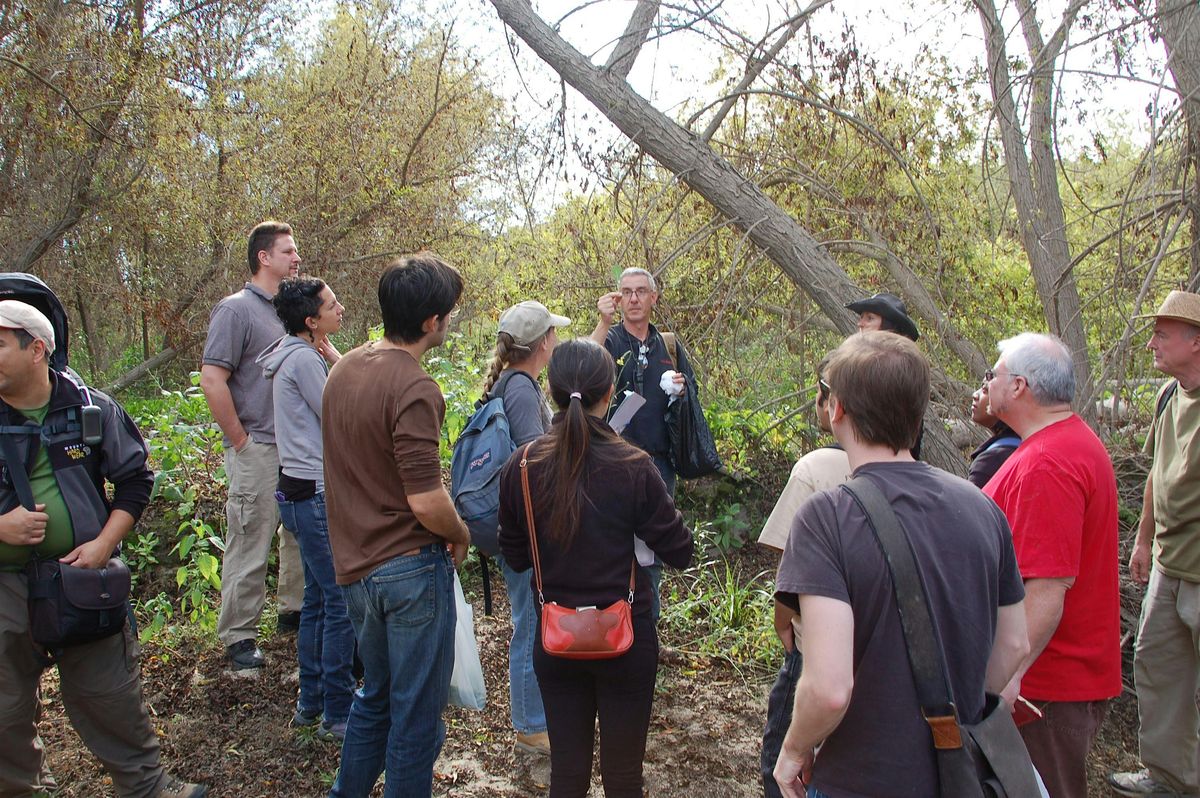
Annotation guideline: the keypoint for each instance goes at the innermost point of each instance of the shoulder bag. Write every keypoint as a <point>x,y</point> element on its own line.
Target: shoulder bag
<point>583,632</point>
<point>982,760</point>
<point>693,452</point>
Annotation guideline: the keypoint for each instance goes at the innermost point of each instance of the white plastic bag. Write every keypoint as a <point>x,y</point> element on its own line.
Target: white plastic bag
<point>466,682</point>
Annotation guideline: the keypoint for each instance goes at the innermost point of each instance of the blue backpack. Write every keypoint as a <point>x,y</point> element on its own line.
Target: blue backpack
<point>480,452</point>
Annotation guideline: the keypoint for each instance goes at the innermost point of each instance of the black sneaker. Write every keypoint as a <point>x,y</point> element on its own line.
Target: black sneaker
<point>289,622</point>
<point>244,656</point>
<point>305,718</point>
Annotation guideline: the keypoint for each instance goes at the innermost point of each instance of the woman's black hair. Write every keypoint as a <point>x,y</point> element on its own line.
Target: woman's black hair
<point>580,375</point>
<point>297,300</point>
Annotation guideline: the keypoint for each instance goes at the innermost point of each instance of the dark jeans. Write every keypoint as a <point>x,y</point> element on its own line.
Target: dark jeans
<point>779,717</point>
<point>1059,743</point>
<point>654,572</point>
<point>404,616</point>
<point>621,692</point>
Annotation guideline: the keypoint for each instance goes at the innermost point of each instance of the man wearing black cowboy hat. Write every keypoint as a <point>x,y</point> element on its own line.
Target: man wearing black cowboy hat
<point>884,312</point>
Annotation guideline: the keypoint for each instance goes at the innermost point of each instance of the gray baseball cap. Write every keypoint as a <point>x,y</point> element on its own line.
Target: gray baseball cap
<point>528,321</point>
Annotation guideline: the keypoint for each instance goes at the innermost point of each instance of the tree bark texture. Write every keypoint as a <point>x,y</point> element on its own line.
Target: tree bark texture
<point>768,226</point>
<point>1033,177</point>
<point>1179,24</point>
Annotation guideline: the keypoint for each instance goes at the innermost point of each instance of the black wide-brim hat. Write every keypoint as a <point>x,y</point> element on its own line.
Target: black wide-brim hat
<point>890,307</point>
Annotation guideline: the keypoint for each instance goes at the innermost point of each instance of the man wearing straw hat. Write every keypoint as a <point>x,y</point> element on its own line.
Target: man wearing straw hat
<point>1166,555</point>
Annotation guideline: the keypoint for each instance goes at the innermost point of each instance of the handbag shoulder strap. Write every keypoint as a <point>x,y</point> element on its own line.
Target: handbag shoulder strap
<point>533,546</point>
<point>924,652</point>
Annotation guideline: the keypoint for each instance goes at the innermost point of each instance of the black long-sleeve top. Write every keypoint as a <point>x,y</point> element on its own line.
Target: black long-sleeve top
<point>622,501</point>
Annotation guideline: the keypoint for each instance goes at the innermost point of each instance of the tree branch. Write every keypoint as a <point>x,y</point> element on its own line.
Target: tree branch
<point>631,41</point>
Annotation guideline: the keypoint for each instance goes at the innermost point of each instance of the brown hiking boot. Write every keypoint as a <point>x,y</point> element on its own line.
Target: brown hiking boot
<point>534,743</point>
<point>177,788</point>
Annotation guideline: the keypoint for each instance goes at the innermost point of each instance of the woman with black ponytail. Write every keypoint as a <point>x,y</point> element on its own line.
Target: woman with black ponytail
<point>592,493</point>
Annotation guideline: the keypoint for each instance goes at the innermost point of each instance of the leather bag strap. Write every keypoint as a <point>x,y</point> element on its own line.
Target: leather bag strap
<point>533,546</point>
<point>924,651</point>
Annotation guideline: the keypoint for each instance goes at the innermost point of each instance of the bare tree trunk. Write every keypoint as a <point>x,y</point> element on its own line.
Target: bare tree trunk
<point>144,368</point>
<point>1033,178</point>
<point>768,226</point>
<point>89,334</point>
<point>1179,23</point>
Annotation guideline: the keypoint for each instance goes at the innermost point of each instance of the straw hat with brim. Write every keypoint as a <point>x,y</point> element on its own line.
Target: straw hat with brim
<point>528,321</point>
<point>890,307</point>
<point>1179,305</point>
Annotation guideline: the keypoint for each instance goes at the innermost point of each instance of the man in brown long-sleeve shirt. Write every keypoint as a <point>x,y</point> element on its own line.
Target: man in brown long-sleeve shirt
<point>394,532</point>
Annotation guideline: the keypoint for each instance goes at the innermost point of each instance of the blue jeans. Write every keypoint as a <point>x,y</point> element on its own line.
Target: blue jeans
<point>525,697</point>
<point>325,642</point>
<point>403,615</point>
<point>779,717</point>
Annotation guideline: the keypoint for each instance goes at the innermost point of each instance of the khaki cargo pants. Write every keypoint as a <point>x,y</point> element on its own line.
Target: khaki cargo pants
<point>253,516</point>
<point>1166,672</point>
<point>101,692</point>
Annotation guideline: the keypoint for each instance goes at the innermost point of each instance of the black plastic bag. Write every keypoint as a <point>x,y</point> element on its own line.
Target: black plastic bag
<point>693,451</point>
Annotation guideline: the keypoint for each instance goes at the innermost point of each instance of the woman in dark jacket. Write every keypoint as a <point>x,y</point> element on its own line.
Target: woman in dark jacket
<point>592,494</point>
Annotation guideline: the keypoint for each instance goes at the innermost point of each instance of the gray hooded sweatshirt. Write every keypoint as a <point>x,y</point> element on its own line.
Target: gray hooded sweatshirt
<point>298,374</point>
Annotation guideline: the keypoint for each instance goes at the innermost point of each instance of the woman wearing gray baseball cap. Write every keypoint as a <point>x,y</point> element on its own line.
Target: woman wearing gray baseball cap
<point>526,337</point>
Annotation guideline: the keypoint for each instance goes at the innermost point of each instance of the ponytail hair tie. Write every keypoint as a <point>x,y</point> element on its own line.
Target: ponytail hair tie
<point>577,395</point>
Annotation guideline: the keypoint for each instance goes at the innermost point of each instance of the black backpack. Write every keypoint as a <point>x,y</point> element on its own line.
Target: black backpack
<point>32,291</point>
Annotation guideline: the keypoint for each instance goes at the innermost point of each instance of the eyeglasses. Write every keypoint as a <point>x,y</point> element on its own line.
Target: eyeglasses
<point>824,386</point>
<point>990,375</point>
<point>642,293</point>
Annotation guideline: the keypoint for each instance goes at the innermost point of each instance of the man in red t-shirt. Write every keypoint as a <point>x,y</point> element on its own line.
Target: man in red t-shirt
<point>1059,493</point>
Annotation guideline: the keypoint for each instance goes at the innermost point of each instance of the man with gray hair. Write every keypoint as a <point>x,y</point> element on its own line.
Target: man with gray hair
<point>1166,664</point>
<point>644,356</point>
<point>1059,493</point>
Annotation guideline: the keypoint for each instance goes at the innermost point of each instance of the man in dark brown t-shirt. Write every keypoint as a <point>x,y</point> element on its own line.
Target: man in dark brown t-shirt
<point>856,697</point>
<point>394,532</point>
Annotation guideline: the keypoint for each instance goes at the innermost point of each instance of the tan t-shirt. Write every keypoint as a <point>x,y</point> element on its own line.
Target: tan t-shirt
<point>381,419</point>
<point>1175,473</point>
<point>820,469</point>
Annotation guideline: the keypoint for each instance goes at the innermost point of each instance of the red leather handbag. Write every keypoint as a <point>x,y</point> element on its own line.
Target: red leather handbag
<point>581,632</point>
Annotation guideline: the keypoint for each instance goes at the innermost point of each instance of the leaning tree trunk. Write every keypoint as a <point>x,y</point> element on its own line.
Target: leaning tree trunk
<point>1179,23</point>
<point>768,226</point>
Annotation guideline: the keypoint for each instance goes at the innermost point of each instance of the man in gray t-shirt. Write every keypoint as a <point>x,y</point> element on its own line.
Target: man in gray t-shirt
<point>242,325</point>
<point>856,697</point>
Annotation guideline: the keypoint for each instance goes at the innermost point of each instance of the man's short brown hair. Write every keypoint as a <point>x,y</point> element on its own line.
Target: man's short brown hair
<point>262,239</point>
<point>882,382</point>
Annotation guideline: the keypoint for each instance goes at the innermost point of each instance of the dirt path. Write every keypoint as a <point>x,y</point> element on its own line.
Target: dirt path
<point>233,733</point>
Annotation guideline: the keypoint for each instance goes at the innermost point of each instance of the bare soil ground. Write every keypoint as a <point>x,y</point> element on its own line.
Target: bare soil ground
<point>233,734</point>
